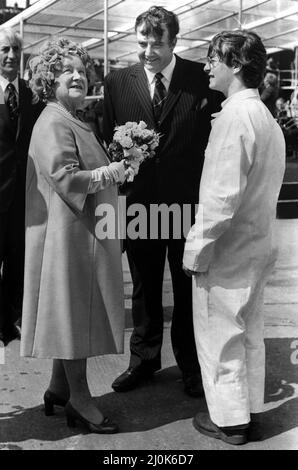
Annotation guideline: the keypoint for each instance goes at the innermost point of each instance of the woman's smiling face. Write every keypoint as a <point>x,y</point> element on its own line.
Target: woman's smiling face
<point>71,84</point>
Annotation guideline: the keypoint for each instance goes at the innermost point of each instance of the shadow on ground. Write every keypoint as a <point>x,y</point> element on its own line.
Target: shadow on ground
<point>281,368</point>
<point>281,385</point>
<point>156,403</point>
<point>162,401</point>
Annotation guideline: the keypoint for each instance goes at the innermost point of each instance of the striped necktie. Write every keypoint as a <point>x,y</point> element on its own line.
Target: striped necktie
<point>11,101</point>
<point>158,97</point>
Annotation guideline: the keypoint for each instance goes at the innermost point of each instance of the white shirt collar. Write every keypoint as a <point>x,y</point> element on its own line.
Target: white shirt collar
<point>241,95</point>
<point>4,82</point>
<point>167,71</point>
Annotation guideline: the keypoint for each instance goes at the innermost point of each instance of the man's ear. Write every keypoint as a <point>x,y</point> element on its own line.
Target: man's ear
<point>236,68</point>
<point>173,44</point>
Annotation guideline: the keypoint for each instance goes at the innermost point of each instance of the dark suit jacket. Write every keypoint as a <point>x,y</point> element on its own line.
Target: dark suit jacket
<point>14,147</point>
<point>269,96</point>
<point>173,175</point>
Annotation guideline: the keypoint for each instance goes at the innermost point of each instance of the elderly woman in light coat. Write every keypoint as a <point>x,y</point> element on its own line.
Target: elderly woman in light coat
<point>73,302</point>
<point>230,250</point>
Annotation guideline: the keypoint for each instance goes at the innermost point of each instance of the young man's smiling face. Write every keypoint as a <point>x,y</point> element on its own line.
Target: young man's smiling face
<point>220,75</point>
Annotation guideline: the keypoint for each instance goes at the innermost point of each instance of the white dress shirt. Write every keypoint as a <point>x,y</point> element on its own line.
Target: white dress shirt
<point>3,84</point>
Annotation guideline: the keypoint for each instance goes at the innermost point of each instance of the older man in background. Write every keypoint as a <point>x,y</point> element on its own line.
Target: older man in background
<point>17,117</point>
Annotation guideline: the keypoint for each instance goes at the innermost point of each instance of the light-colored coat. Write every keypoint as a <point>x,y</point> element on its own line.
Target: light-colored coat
<point>73,301</point>
<point>231,244</point>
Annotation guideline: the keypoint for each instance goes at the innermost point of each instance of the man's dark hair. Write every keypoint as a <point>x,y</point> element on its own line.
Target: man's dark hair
<point>153,21</point>
<point>241,48</point>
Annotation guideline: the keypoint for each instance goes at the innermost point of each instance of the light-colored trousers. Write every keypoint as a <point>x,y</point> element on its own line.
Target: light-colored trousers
<point>229,327</point>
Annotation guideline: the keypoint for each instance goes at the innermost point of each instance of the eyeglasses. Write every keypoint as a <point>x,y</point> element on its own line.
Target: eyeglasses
<point>212,62</point>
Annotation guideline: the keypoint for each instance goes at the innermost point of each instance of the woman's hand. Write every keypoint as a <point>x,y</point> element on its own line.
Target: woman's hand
<point>133,159</point>
<point>134,165</point>
<point>118,171</point>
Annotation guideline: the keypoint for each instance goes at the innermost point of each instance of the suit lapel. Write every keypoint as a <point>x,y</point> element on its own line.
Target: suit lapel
<point>175,90</point>
<point>22,105</point>
<point>4,111</point>
<point>142,92</point>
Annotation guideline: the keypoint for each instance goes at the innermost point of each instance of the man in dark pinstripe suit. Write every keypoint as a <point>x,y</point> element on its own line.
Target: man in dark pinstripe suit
<point>171,177</point>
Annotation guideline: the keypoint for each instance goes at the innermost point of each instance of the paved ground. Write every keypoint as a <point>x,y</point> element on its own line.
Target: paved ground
<point>158,415</point>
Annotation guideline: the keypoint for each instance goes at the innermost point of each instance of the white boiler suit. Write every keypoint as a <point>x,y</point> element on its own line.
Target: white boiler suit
<point>230,246</point>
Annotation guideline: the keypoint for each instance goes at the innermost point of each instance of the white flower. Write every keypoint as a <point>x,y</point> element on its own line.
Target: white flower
<point>129,124</point>
<point>133,142</point>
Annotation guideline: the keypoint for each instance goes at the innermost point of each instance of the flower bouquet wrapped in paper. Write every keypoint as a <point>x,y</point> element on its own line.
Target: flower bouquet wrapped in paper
<point>134,143</point>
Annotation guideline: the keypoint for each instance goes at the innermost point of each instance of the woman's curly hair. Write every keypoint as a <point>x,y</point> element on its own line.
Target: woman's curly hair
<point>43,68</point>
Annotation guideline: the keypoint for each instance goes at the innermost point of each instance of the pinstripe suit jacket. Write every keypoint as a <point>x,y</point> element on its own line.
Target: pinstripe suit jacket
<point>173,175</point>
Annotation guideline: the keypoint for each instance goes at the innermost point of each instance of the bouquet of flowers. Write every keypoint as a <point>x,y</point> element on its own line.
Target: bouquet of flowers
<point>134,143</point>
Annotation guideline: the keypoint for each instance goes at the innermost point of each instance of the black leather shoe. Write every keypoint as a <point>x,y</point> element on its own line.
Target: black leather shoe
<point>236,435</point>
<point>9,333</point>
<point>105,427</point>
<point>193,385</point>
<point>50,400</point>
<point>255,430</point>
<point>131,378</point>
<point>2,338</point>
<point>17,332</point>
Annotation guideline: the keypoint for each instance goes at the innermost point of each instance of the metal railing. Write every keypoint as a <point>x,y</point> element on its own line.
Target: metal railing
<point>288,79</point>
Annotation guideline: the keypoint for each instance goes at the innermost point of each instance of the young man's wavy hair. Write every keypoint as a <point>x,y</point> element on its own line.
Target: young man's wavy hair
<point>244,49</point>
<point>155,19</point>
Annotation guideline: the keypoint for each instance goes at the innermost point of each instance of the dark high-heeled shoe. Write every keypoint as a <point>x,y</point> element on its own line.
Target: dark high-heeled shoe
<point>105,427</point>
<point>50,399</point>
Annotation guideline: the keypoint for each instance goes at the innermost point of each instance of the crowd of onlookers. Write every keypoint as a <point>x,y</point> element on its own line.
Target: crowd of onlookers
<point>284,110</point>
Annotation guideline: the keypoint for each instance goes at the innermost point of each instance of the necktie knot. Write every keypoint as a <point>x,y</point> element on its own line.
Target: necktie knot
<point>10,87</point>
<point>158,76</point>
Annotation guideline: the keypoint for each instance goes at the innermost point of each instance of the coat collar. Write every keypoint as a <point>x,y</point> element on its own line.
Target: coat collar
<point>5,109</point>
<point>25,99</point>
<point>4,82</point>
<point>142,92</point>
<point>175,89</point>
<point>241,95</point>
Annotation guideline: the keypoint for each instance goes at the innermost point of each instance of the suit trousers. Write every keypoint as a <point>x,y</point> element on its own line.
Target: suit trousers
<point>12,248</point>
<point>147,262</point>
<point>229,328</point>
